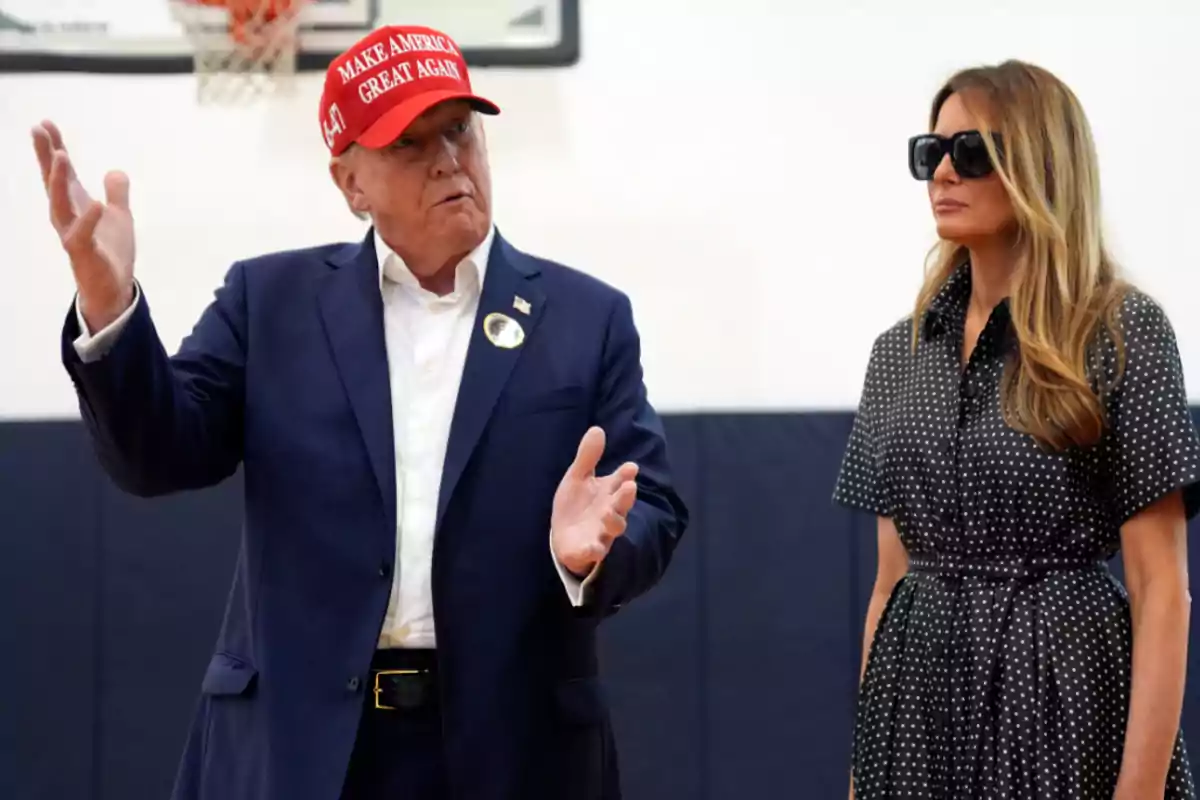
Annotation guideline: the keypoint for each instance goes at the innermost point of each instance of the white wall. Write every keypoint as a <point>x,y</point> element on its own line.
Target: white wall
<point>737,167</point>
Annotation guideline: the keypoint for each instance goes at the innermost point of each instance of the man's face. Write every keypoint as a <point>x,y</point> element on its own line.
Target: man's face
<point>429,192</point>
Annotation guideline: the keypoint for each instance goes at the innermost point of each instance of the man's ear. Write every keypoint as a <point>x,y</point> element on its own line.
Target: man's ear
<point>480,131</point>
<point>342,170</point>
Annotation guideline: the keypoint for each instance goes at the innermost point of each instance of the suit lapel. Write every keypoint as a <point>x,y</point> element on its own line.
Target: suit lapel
<point>352,311</point>
<point>507,285</point>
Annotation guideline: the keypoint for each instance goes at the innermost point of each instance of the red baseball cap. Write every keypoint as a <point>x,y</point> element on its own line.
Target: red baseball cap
<point>391,76</point>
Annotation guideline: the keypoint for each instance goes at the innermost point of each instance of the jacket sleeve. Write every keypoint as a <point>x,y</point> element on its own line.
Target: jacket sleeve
<point>634,432</point>
<point>159,423</point>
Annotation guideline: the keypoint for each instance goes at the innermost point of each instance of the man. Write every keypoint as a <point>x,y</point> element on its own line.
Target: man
<point>452,473</point>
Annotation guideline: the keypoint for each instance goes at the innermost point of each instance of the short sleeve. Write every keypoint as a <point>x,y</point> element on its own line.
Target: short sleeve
<point>1151,447</point>
<point>859,483</point>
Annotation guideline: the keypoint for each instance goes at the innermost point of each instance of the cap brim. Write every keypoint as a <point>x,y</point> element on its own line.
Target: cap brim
<point>396,120</point>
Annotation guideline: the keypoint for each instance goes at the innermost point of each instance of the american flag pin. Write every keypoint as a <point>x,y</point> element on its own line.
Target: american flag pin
<point>521,304</point>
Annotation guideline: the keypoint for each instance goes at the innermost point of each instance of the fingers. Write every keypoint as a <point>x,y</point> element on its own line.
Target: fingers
<point>593,540</point>
<point>597,551</point>
<point>624,473</point>
<point>54,133</point>
<point>58,176</point>
<point>625,497</point>
<point>56,144</point>
<point>73,212</point>
<point>78,241</point>
<point>62,212</point>
<point>614,526</point>
<point>613,520</point>
<point>47,140</point>
<point>621,489</point>
<point>45,153</point>
<point>116,190</point>
<point>591,447</point>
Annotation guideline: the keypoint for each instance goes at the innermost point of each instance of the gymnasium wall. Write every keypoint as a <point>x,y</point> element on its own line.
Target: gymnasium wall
<point>738,169</point>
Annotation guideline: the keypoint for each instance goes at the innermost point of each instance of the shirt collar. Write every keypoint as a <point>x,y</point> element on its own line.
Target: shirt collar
<point>948,309</point>
<point>949,305</point>
<point>467,275</point>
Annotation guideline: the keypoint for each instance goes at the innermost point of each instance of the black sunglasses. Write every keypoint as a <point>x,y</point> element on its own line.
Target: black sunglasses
<point>966,149</point>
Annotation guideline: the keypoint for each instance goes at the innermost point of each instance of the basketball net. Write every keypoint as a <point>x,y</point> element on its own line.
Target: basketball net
<point>241,48</point>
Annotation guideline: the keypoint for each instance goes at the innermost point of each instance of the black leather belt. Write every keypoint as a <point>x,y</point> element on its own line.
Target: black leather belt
<point>403,680</point>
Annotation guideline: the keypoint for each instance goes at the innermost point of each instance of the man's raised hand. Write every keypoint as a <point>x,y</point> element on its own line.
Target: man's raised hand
<point>589,511</point>
<point>97,237</point>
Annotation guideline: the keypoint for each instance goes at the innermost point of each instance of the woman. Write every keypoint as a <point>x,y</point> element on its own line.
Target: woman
<point>1030,424</point>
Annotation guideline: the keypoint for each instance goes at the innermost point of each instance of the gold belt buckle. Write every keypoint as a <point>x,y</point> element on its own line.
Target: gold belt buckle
<point>379,691</point>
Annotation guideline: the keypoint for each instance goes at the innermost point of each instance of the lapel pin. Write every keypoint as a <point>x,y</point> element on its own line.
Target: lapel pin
<point>521,304</point>
<point>503,331</point>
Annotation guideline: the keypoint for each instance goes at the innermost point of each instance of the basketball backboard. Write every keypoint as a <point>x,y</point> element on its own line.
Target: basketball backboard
<point>143,37</point>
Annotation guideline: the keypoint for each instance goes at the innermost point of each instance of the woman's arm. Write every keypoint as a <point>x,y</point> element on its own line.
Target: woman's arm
<point>892,566</point>
<point>1154,547</point>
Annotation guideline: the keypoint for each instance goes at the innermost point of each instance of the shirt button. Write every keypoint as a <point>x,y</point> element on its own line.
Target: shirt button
<point>970,391</point>
<point>385,569</point>
<point>353,684</point>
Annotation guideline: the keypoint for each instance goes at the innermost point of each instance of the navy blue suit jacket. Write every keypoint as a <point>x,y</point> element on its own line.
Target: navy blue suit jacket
<point>285,374</point>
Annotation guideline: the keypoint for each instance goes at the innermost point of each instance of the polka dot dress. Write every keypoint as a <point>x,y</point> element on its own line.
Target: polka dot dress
<point>1001,665</point>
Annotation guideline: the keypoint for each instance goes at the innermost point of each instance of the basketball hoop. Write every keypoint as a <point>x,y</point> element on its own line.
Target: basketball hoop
<point>240,48</point>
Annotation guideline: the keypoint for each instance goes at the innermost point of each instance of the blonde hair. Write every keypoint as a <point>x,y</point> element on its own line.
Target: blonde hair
<point>1065,289</point>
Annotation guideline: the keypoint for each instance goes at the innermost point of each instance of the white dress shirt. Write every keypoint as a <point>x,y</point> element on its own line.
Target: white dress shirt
<point>426,337</point>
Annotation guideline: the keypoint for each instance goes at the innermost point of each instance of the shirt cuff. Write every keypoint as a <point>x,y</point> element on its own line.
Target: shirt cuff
<point>94,346</point>
<point>576,589</point>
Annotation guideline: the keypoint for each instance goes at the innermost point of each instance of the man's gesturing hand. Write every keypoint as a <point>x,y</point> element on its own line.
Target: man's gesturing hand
<point>589,511</point>
<point>98,237</point>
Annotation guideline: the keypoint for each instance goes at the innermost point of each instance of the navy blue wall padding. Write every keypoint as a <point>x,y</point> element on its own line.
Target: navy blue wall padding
<point>734,679</point>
